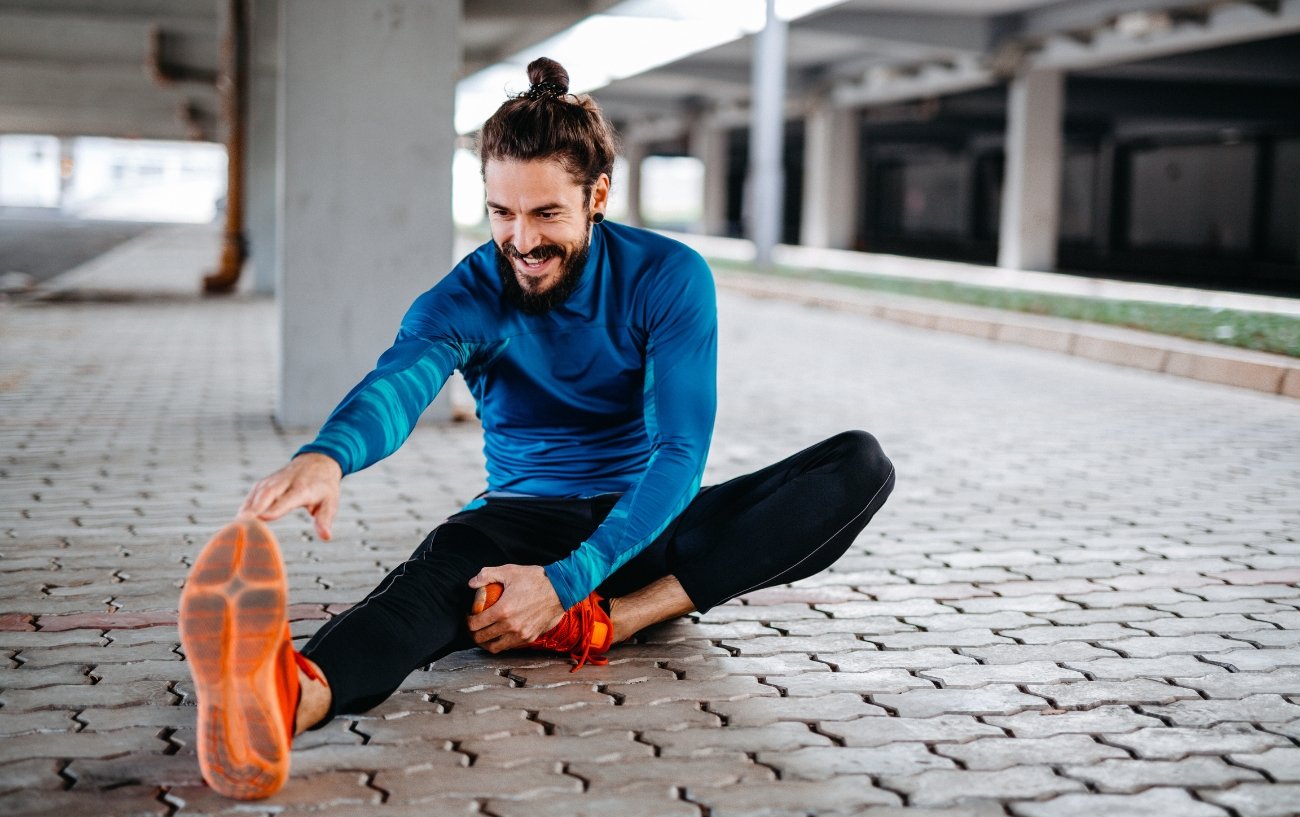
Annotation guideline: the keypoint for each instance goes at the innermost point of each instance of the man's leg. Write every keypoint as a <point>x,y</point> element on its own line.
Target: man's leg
<point>782,523</point>
<point>413,617</point>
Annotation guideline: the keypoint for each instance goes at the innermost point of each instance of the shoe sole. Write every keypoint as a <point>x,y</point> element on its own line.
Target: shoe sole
<point>232,624</point>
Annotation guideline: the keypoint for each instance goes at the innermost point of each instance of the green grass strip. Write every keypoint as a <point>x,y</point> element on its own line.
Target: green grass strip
<point>1279,334</point>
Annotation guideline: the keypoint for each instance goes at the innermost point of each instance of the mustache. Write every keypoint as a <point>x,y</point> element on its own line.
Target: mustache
<point>539,253</point>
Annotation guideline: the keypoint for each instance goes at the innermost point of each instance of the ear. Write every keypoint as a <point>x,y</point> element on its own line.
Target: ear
<point>600,194</point>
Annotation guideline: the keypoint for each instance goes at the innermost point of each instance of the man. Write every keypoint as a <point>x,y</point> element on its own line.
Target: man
<point>590,349</point>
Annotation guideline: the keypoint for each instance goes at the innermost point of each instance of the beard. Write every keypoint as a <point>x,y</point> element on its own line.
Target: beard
<point>537,302</point>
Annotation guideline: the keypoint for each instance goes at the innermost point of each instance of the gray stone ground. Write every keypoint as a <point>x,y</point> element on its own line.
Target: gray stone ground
<point>1082,598</point>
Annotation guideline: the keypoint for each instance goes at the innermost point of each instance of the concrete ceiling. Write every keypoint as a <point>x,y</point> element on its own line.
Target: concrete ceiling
<point>147,67</point>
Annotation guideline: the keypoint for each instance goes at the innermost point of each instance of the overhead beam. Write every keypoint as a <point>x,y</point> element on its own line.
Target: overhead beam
<point>904,33</point>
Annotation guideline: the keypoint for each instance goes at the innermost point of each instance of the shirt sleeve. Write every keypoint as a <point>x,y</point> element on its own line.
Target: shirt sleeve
<point>680,397</point>
<point>379,413</point>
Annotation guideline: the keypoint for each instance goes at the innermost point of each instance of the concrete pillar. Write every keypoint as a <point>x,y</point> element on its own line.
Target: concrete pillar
<point>709,145</point>
<point>766,179</point>
<point>1031,191</point>
<point>634,154</point>
<point>365,154</point>
<point>260,179</point>
<point>830,178</point>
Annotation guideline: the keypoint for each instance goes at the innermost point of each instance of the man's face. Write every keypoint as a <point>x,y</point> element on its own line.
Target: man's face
<point>541,225</point>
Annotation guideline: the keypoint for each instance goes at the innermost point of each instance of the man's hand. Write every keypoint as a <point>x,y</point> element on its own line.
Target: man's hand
<point>309,481</point>
<point>527,608</point>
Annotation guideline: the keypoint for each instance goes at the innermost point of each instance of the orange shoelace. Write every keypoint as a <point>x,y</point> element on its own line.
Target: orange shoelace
<point>583,627</point>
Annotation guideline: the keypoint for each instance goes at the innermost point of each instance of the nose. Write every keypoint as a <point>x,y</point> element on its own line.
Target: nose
<point>524,236</point>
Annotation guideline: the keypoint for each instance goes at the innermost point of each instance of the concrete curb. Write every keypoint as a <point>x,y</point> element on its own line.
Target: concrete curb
<point>1207,362</point>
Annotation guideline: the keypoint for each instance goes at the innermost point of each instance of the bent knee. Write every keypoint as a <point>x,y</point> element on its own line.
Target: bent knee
<point>864,459</point>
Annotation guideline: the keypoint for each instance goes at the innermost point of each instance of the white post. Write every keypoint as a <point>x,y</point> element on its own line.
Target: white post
<point>766,179</point>
<point>634,155</point>
<point>1031,192</point>
<point>365,153</point>
<point>709,145</point>
<point>260,172</point>
<point>830,178</point>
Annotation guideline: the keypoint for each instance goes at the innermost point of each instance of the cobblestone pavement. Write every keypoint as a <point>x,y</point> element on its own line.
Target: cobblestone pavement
<point>1082,598</point>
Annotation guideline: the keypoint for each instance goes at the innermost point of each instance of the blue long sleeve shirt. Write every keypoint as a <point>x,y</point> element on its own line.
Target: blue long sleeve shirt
<point>612,391</point>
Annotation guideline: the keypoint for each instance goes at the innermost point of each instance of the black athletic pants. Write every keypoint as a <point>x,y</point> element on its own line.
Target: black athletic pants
<point>785,522</point>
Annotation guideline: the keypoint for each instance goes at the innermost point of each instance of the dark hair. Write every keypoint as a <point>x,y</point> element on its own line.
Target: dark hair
<point>548,122</point>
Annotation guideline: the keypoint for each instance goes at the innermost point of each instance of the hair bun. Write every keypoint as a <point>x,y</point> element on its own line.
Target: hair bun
<point>546,71</point>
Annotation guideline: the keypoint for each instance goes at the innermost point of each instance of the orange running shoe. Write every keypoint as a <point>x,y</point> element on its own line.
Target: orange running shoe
<point>585,632</point>
<point>237,642</point>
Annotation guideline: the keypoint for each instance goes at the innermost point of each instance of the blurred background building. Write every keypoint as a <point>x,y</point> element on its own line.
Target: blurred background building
<point>1154,140</point>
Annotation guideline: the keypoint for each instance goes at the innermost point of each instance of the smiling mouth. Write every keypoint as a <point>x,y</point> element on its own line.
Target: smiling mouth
<point>531,266</point>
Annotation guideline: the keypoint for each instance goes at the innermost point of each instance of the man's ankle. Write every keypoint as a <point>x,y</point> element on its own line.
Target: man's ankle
<point>314,699</point>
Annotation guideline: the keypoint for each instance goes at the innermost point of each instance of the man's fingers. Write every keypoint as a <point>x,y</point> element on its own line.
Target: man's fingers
<point>324,516</point>
<point>293,497</point>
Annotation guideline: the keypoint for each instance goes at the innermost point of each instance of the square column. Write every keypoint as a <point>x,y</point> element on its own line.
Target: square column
<point>830,179</point>
<point>365,153</point>
<point>766,181</point>
<point>709,145</point>
<point>1031,191</point>
<point>260,171</point>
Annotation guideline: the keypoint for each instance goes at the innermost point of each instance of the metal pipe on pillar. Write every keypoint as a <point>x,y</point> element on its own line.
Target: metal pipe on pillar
<point>232,84</point>
<point>767,130</point>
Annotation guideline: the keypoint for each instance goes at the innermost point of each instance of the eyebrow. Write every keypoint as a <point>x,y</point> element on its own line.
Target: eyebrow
<point>549,206</point>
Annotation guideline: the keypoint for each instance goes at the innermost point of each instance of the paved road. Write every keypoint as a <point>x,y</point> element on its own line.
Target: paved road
<point>1082,597</point>
<point>43,244</point>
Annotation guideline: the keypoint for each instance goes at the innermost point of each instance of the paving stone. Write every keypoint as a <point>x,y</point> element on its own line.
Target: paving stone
<point>872,682</point>
<point>1088,694</point>
<point>761,711</point>
<point>806,645</point>
<point>1256,660</point>
<point>1172,743</point>
<point>1256,607</point>
<point>820,763</point>
<point>1258,799</point>
<point>658,800</point>
<point>1125,669</point>
<point>971,676</point>
<point>84,744</point>
<point>1223,623</point>
<point>861,627</point>
<point>686,772</point>
<point>844,794</point>
<point>1282,764</point>
<point>757,666</point>
<point>1241,684</point>
<point>68,696</point>
<point>942,787</point>
<point>536,698</point>
<point>625,672</point>
<point>1048,722</point>
<point>730,688</point>
<point>1157,646</point>
<point>1004,619</point>
<point>128,801</point>
<point>586,720</point>
<point>775,737</point>
<point>450,726</point>
<point>873,732</point>
<point>35,773</point>
<point>1272,709</point>
<point>1152,803</point>
<point>951,638</point>
<point>1102,615</point>
<point>993,753</point>
<point>921,658</point>
<point>512,751</point>
<point>994,699</point>
<point>937,592</point>
<point>337,757</point>
<point>24,678</point>
<point>1269,638</point>
<point>727,613</point>
<point>49,720</point>
<point>1049,635</point>
<point>1126,776</point>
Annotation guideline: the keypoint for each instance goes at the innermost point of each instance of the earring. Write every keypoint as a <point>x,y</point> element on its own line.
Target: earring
<point>598,218</point>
